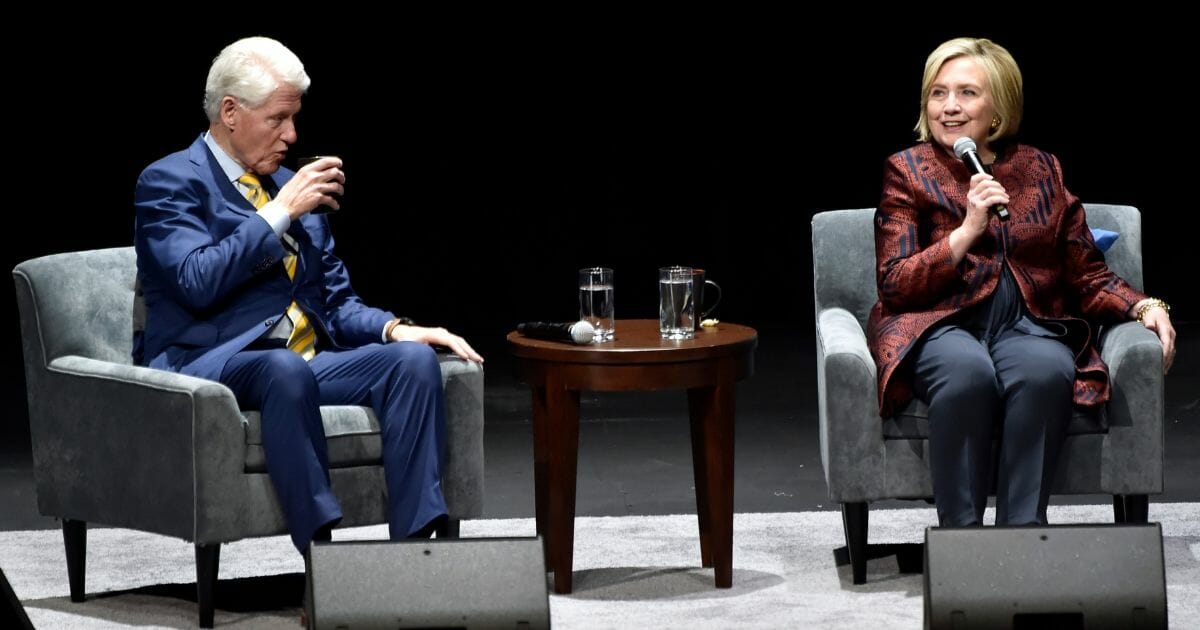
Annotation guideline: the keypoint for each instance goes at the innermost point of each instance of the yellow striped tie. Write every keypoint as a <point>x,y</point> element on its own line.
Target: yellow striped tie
<point>303,340</point>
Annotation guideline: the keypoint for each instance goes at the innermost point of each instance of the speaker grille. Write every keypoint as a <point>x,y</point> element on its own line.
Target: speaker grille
<point>1093,576</point>
<point>459,583</point>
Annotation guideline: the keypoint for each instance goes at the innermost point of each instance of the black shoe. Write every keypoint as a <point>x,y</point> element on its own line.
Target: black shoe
<point>430,527</point>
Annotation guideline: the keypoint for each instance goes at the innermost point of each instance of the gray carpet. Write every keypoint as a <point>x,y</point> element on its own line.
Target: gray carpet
<point>630,572</point>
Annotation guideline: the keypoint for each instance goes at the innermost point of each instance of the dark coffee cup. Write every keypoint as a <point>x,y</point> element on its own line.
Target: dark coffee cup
<point>305,161</point>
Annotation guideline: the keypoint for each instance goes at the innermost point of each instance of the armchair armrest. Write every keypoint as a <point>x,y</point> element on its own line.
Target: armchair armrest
<point>462,475</point>
<point>106,436</point>
<point>852,450</point>
<point>1130,344</point>
<point>1134,444</point>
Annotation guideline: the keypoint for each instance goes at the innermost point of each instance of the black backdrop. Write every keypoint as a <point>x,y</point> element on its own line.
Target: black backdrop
<point>487,160</point>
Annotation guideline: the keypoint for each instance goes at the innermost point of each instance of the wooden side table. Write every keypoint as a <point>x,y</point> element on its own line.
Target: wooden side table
<point>708,367</point>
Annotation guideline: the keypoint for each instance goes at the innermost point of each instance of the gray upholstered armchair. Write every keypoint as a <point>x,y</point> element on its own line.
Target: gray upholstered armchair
<point>1117,452</point>
<point>161,452</point>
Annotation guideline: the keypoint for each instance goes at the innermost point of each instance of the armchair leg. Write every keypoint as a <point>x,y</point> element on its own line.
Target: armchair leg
<point>75,541</point>
<point>854,522</point>
<point>1131,508</point>
<point>207,560</point>
<point>448,528</point>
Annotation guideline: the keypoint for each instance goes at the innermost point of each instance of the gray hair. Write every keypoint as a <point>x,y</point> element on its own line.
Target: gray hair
<point>250,70</point>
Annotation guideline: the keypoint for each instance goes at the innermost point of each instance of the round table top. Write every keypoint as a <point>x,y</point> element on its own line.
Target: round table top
<point>638,341</point>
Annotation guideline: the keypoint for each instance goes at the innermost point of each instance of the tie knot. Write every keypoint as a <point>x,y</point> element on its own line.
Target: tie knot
<point>250,180</point>
<point>254,190</point>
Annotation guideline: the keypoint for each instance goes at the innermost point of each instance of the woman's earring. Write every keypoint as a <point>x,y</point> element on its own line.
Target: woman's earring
<point>995,123</point>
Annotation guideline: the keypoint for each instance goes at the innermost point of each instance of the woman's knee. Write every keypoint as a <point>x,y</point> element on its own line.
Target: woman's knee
<point>965,377</point>
<point>1046,367</point>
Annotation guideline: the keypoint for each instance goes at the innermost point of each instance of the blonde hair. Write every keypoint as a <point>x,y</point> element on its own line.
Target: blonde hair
<point>1004,82</point>
<point>249,70</point>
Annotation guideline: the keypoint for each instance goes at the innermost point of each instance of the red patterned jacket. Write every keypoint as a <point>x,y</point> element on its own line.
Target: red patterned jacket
<point>1060,272</point>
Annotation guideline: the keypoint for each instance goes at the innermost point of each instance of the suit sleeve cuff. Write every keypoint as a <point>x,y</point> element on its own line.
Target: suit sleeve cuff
<point>276,217</point>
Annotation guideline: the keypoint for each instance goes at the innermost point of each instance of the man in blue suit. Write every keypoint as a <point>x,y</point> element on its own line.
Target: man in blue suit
<point>242,286</point>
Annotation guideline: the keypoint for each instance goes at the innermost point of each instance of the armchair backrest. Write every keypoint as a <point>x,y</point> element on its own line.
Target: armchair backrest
<point>844,254</point>
<point>844,261</point>
<point>1125,255</point>
<point>77,303</point>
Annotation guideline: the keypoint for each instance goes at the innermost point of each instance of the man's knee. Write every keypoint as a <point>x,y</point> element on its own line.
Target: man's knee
<point>416,361</point>
<point>258,374</point>
<point>284,361</point>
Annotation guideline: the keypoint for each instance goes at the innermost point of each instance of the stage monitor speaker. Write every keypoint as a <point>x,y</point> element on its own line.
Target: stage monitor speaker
<point>1054,576</point>
<point>454,583</point>
<point>12,613</point>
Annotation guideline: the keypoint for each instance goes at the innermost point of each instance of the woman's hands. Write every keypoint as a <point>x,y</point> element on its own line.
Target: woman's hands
<point>1157,319</point>
<point>984,193</point>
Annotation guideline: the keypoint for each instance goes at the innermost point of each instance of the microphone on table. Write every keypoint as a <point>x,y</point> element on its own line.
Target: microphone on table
<point>580,332</point>
<point>966,151</point>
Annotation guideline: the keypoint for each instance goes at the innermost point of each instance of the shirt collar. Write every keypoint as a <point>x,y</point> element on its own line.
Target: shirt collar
<point>232,169</point>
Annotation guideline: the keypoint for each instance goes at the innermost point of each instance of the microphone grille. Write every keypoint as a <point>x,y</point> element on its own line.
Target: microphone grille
<point>962,145</point>
<point>582,332</point>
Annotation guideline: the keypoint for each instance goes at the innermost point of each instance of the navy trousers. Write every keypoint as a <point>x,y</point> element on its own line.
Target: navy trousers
<point>1022,381</point>
<point>401,382</point>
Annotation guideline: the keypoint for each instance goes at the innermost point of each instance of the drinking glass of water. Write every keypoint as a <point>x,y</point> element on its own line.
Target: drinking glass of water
<point>596,302</point>
<point>676,303</point>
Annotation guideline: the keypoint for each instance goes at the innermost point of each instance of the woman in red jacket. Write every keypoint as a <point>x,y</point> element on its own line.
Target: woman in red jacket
<point>990,321</point>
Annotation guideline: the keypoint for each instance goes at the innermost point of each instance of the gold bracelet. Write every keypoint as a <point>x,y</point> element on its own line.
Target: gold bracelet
<point>1151,303</point>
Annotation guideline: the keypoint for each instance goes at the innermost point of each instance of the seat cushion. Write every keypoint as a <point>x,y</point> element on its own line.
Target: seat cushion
<point>912,423</point>
<point>352,433</point>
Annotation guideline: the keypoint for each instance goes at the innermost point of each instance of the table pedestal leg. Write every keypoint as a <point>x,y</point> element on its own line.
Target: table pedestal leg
<point>555,457</point>
<point>711,410</point>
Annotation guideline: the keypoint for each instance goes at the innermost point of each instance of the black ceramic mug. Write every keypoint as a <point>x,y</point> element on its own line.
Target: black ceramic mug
<point>305,161</point>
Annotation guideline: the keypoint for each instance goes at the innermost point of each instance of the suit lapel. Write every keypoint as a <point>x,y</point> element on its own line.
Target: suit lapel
<point>206,164</point>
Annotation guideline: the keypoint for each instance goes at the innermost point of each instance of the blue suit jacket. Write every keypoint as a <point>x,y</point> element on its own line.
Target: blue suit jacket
<point>212,271</point>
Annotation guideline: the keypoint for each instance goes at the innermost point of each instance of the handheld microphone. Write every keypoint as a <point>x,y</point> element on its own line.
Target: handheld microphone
<point>580,332</point>
<point>966,151</point>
